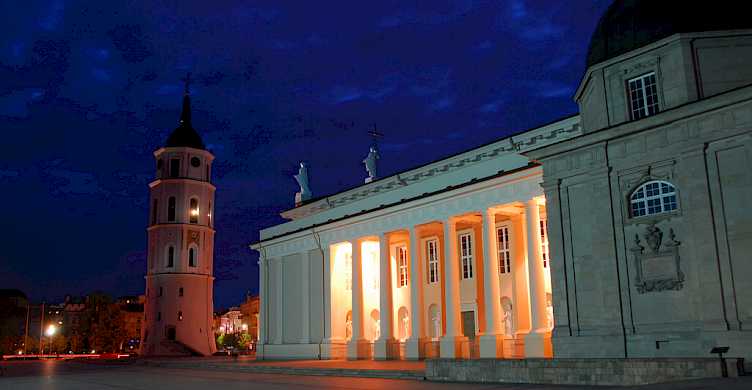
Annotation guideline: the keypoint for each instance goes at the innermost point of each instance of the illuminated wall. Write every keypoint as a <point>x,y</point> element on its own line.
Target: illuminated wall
<point>341,288</point>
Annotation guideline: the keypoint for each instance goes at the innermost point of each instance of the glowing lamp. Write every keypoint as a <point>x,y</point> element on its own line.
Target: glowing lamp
<point>51,330</point>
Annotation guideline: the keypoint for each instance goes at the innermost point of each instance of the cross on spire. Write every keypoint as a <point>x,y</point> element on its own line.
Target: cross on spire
<point>375,135</point>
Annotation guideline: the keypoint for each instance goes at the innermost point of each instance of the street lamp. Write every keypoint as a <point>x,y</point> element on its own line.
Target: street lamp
<point>51,329</point>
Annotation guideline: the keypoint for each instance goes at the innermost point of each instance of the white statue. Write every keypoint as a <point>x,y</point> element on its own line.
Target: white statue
<point>348,329</point>
<point>370,162</point>
<point>302,179</point>
<point>376,329</point>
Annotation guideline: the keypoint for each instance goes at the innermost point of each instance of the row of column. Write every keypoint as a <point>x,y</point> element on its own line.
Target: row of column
<point>453,343</point>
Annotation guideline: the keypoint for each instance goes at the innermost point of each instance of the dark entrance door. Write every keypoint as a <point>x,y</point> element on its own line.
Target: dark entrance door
<point>468,324</point>
<point>171,333</point>
<point>468,330</point>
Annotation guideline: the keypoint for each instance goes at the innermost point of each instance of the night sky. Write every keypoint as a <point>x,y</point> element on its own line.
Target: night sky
<point>89,89</point>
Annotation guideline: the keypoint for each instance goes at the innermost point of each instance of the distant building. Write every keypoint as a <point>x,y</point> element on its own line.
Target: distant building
<point>250,311</point>
<point>132,310</point>
<point>231,321</point>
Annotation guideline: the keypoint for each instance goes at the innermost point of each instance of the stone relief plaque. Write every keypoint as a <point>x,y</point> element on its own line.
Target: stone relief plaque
<point>658,267</point>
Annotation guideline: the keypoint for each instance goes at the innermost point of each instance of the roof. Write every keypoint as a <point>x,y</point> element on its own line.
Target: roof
<point>631,24</point>
<point>185,135</point>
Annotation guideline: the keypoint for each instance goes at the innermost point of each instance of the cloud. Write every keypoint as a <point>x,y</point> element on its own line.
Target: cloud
<point>442,104</point>
<point>493,106</point>
<point>130,41</point>
<point>67,182</point>
<point>16,104</point>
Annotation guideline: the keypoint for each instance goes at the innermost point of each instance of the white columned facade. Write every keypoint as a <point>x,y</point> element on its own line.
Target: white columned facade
<point>491,341</point>
<point>385,343</point>
<point>305,298</point>
<point>356,346</point>
<point>537,342</point>
<point>413,350</point>
<point>262,316</point>
<point>280,318</point>
<point>453,344</point>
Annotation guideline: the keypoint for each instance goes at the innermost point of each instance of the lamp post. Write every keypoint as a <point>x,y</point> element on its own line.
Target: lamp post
<point>51,329</point>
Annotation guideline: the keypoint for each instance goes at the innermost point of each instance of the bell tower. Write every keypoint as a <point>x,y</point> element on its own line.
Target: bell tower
<point>179,275</point>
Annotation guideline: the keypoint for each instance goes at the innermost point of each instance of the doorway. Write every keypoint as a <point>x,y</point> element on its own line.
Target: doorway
<point>171,333</point>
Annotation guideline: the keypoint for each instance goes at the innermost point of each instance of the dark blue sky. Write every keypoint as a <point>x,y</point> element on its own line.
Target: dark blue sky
<point>89,89</point>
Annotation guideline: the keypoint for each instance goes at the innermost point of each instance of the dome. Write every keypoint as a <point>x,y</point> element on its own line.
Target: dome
<point>185,135</point>
<point>630,24</point>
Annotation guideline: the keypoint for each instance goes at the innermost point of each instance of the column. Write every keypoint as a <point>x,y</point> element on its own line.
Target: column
<point>383,346</point>
<point>538,341</point>
<point>327,348</point>
<point>491,341</point>
<point>413,350</point>
<point>279,317</point>
<point>452,343</point>
<point>263,304</point>
<point>357,345</point>
<point>305,298</point>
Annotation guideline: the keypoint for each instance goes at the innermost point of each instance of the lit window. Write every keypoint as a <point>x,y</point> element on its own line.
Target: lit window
<point>433,260</point>
<point>544,242</point>
<point>348,272</point>
<point>466,255</point>
<point>174,167</point>
<point>643,96</point>
<point>192,257</point>
<point>209,214</point>
<point>505,255</point>
<point>171,209</point>
<point>170,257</point>
<point>402,265</point>
<point>653,197</point>
<point>194,210</point>
<point>180,316</point>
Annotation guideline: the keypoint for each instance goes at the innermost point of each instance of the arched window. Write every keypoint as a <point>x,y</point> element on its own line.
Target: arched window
<point>192,257</point>
<point>193,211</point>
<point>209,214</point>
<point>171,209</point>
<point>180,292</point>
<point>170,257</point>
<point>180,316</point>
<point>653,197</point>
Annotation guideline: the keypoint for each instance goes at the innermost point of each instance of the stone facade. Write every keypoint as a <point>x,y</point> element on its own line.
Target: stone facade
<point>615,293</point>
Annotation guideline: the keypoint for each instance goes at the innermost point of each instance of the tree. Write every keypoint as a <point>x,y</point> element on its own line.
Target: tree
<point>244,341</point>
<point>103,324</point>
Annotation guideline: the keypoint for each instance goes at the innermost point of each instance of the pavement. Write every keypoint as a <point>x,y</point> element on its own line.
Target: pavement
<point>132,375</point>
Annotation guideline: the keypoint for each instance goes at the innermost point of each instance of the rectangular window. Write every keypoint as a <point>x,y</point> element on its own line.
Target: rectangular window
<point>432,253</point>
<point>174,167</point>
<point>505,255</point>
<point>466,255</point>
<point>171,209</point>
<point>193,212</point>
<point>170,257</point>
<point>402,265</point>
<point>544,242</point>
<point>348,272</point>
<point>643,96</point>
<point>154,212</point>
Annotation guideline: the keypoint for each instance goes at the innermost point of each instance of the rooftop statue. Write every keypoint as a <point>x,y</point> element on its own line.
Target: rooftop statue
<point>302,178</point>
<point>370,162</point>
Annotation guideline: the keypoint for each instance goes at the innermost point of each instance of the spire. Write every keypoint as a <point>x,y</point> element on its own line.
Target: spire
<point>185,135</point>
<point>185,115</point>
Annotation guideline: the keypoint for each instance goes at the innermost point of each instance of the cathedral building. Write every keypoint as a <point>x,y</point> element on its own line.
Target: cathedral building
<point>179,282</point>
<point>620,232</point>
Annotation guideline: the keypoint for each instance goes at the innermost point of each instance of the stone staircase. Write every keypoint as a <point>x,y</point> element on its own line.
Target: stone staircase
<point>175,348</point>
